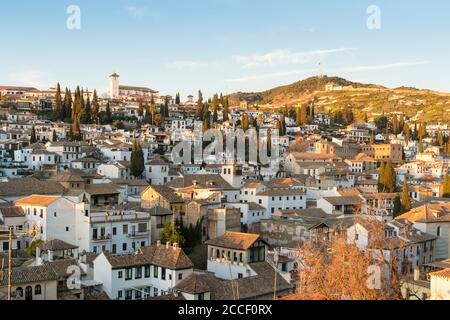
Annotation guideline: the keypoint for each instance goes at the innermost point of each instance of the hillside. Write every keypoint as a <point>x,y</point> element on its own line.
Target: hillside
<point>423,105</point>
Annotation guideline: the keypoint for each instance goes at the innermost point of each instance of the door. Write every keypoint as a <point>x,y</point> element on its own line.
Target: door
<point>29,293</point>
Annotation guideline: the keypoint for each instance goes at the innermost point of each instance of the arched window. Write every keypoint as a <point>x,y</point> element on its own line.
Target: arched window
<point>38,289</point>
<point>19,292</point>
<point>438,231</point>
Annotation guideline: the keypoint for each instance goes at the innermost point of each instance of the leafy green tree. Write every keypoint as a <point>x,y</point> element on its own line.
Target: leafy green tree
<point>137,160</point>
<point>172,234</point>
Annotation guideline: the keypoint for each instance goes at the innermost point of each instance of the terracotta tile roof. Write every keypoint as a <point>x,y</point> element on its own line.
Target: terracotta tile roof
<point>344,200</point>
<point>167,193</point>
<point>27,275</point>
<point>29,186</point>
<point>442,274</point>
<point>249,288</point>
<point>213,181</point>
<point>101,188</point>
<point>56,245</point>
<point>61,267</point>
<point>37,200</point>
<point>171,258</point>
<point>234,240</point>
<point>194,284</point>
<point>432,212</point>
<point>10,211</point>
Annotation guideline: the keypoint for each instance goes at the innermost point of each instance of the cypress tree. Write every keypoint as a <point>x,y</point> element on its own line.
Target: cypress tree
<point>397,207</point>
<point>407,134</point>
<point>141,109</point>
<point>446,187</point>
<point>95,107</point>
<point>54,136</point>
<point>177,99</point>
<point>381,175</point>
<point>108,114</point>
<point>420,145</point>
<point>137,160</point>
<point>199,112</point>
<point>86,115</point>
<point>390,177</point>
<point>33,138</point>
<point>57,110</point>
<point>269,142</point>
<point>75,131</point>
<point>225,109</point>
<point>440,138</point>
<point>406,202</point>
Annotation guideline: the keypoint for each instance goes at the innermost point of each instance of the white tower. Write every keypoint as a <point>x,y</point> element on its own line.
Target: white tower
<point>114,86</point>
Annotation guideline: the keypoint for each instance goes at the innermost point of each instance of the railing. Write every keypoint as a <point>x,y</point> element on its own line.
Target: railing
<point>138,234</point>
<point>102,238</point>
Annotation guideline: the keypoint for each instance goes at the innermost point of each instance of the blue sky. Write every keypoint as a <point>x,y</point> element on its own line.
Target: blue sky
<point>223,45</point>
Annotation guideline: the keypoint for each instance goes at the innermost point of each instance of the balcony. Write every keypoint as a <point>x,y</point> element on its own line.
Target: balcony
<point>101,238</point>
<point>143,234</point>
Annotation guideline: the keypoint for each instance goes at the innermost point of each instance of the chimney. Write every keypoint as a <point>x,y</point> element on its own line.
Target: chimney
<point>167,244</point>
<point>38,261</point>
<point>416,274</point>
<point>50,256</point>
<point>158,243</point>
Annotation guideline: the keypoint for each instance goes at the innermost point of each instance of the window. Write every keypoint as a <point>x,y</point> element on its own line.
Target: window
<point>438,231</point>
<point>67,229</point>
<point>128,294</point>
<point>120,275</point>
<point>128,273</point>
<point>19,291</point>
<point>163,273</point>
<point>38,289</point>
<point>240,275</point>
<point>155,292</point>
<point>155,271</point>
<point>201,296</point>
<point>5,246</point>
<point>119,294</point>
<point>138,273</point>
<point>114,231</point>
<point>180,276</point>
<point>124,247</point>
<point>125,229</point>
<point>147,271</point>
<point>54,214</point>
<point>138,294</point>
<point>114,249</point>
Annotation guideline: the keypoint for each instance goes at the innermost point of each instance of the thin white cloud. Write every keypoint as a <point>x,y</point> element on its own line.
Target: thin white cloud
<point>279,57</point>
<point>380,67</point>
<point>330,71</point>
<point>136,12</point>
<point>271,75</point>
<point>29,77</point>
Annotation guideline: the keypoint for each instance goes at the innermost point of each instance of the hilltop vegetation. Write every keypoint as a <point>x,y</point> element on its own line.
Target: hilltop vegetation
<point>420,105</point>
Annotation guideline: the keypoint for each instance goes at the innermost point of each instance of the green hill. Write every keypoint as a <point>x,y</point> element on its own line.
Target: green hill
<point>422,105</point>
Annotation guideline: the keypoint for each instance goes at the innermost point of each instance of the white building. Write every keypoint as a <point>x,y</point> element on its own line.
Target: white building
<point>151,271</point>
